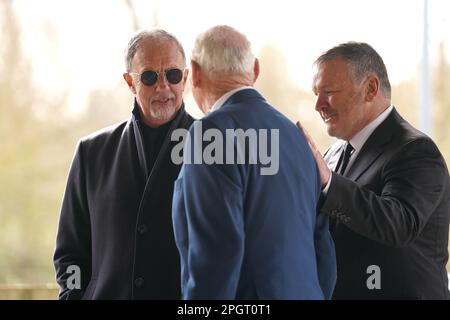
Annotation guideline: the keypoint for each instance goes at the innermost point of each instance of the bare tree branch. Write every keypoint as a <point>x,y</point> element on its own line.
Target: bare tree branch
<point>134,18</point>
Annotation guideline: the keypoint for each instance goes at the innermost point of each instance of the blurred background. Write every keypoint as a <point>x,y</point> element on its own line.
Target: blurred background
<point>61,65</point>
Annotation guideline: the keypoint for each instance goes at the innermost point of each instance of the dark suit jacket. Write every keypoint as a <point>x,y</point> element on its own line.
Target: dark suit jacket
<point>115,221</point>
<point>243,235</point>
<point>392,210</point>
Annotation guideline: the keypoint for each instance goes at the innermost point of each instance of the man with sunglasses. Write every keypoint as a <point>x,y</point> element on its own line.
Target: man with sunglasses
<point>115,230</point>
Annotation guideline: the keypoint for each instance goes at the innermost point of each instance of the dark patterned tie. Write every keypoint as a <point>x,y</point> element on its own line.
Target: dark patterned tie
<point>342,165</point>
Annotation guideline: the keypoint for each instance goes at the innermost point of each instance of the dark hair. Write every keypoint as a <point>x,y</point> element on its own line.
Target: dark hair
<point>362,60</point>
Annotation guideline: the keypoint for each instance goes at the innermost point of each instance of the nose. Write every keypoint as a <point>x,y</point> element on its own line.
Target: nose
<point>162,83</point>
<point>320,102</point>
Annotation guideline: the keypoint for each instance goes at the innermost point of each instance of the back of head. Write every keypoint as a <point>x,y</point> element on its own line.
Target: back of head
<point>154,35</point>
<point>223,50</point>
<point>362,60</point>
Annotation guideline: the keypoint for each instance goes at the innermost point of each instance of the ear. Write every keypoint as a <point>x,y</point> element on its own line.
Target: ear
<point>255,70</point>
<point>196,74</point>
<point>129,81</point>
<point>372,88</point>
<point>185,77</point>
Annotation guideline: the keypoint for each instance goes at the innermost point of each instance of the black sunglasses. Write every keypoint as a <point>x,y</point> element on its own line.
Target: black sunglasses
<point>150,77</point>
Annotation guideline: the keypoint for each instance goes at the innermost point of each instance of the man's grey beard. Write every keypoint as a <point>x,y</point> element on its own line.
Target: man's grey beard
<point>163,113</point>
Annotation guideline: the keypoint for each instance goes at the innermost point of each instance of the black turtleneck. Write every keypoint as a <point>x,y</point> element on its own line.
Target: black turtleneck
<point>153,140</point>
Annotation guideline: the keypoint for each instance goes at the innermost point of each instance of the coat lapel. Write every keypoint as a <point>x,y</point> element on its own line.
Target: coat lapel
<point>166,148</point>
<point>373,147</point>
<point>363,161</point>
<point>139,141</point>
<point>182,120</point>
<point>164,168</point>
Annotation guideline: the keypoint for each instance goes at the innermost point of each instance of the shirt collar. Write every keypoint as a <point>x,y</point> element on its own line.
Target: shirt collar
<point>219,103</point>
<point>361,137</point>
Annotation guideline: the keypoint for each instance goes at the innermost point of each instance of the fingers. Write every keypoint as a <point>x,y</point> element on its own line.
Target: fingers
<point>324,171</point>
<point>307,136</point>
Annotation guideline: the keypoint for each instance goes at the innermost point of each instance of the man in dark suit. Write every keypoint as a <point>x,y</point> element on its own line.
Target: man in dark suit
<point>246,228</point>
<point>388,195</point>
<point>115,227</point>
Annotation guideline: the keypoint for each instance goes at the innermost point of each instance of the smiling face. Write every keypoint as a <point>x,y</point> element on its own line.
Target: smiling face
<point>160,102</point>
<point>340,100</point>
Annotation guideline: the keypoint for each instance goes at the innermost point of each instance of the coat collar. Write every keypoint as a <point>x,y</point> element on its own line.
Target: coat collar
<point>219,103</point>
<point>374,145</point>
<point>136,120</point>
<point>243,95</point>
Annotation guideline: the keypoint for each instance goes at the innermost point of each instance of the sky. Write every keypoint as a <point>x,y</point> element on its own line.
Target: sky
<point>78,44</point>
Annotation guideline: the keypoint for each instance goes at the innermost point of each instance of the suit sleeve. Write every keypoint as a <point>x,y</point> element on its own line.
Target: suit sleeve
<point>413,183</point>
<point>212,202</point>
<point>73,242</point>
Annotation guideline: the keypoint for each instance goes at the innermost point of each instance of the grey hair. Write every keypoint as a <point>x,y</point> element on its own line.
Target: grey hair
<point>156,34</point>
<point>223,50</point>
<point>362,60</point>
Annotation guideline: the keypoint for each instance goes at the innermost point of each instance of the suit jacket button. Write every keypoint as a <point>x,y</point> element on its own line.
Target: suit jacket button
<point>139,282</point>
<point>142,228</point>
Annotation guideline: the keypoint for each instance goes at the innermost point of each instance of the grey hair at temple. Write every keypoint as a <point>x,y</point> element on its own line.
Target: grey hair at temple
<point>362,60</point>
